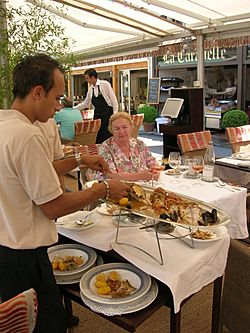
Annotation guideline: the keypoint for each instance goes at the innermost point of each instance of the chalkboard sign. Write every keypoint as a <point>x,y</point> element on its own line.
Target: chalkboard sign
<point>154,90</point>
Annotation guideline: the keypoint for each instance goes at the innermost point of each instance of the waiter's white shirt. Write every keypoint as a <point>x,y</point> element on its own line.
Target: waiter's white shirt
<point>107,92</point>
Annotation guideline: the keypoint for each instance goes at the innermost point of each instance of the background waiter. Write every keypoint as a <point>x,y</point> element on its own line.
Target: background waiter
<point>102,97</point>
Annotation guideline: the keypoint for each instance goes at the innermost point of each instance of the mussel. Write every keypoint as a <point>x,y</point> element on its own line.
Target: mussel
<point>208,217</point>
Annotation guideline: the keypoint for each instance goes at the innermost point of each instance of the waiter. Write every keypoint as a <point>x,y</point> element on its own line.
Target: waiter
<point>102,97</point>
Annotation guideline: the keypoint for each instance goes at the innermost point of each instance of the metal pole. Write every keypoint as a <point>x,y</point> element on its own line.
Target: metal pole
<point>200,61</point>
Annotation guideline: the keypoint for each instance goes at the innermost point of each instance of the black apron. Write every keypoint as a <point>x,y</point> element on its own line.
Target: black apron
<point>102,111</point>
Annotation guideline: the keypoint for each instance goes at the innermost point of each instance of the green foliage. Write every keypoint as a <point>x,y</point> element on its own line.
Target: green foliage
<point>30,30</point>
<point>150,113</point>
<point>234,118</point>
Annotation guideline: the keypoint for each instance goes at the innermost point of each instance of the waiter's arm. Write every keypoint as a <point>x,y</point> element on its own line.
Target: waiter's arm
<point>85,104</point>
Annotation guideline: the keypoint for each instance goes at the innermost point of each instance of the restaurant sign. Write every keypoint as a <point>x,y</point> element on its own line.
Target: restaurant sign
<point>213,54</point>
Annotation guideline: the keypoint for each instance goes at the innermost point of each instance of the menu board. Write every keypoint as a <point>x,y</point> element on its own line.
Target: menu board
<point>154,90</point>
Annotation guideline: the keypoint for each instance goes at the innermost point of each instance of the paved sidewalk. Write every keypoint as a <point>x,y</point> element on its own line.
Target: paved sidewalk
<point>154,141</point>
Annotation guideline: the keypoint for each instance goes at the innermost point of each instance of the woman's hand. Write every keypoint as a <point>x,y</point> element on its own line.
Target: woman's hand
<point>149,175</point>
<point>157,168</point>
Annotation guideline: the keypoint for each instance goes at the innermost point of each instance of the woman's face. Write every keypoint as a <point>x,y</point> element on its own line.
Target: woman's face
<point>121,129</point>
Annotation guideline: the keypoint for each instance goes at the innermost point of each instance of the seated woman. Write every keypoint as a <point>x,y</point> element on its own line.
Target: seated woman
<point>67,117</point>
<point>128,158</point>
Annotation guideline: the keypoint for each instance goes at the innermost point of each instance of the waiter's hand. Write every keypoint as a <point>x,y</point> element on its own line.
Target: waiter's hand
<point>95,162</point>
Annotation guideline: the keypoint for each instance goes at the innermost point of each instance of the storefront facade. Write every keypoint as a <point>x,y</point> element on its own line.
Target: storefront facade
<point>227,75</point>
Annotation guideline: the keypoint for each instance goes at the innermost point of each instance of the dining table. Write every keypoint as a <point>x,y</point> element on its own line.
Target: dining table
<point>185,269</point>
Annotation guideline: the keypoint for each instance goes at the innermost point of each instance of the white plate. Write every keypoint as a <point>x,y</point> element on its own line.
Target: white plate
<point>162,235</point>
<point>126,221</point>
<point>88,254</point>
<point>129,307</point>
<point>245,156</point>
<point>219,232</point>
<point>69,221</point>
<point>134,275</point>
<point>76,278</point>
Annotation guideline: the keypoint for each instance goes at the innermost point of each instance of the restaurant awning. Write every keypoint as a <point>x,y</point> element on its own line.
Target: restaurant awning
<point>107,28</point>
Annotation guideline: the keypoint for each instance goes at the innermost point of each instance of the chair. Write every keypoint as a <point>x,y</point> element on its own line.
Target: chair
<point>87,114</point>
<point>195,143</point>
<point>239,138</point>
<point>19,313</point>
<point>86,131</point>
<point>236,290</point>
<point>137,120</point>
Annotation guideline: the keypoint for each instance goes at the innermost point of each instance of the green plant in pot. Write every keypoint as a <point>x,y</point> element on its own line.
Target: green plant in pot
<point>150,114</point>
<point>234,118</point>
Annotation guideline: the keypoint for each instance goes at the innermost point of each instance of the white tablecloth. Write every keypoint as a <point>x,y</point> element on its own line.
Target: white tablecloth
<point>185,270</point>
<point>233,203</point>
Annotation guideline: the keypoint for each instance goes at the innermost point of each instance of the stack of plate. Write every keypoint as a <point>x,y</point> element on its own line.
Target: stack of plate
<point>145,293</point>
<point>88,255</point>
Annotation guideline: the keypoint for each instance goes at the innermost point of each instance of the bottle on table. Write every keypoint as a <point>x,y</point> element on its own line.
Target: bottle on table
<point>209,162</point>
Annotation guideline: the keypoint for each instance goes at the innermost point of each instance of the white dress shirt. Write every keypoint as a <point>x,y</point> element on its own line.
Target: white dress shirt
<point>107,92</point>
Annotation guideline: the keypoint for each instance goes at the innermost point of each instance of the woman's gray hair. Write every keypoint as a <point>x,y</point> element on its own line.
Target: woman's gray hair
<point>119,115</point>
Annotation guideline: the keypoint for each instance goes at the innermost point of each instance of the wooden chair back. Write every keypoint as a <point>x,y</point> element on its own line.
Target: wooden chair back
<point>137,120</point>
<point>19,313</point>
<point>239,138</point>
<point>86,131</point>
<point>194,143</point>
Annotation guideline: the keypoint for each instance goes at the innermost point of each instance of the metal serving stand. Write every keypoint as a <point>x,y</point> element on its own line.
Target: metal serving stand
<point>123,211</point>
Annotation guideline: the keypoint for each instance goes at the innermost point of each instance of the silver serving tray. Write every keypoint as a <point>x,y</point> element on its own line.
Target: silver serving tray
<point>223,218</point>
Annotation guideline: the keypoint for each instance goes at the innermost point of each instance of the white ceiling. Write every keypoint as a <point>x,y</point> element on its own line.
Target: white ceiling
<point>105,24</point>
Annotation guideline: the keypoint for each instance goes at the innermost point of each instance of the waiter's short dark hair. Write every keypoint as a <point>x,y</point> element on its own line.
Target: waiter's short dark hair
<point>91,72</point>
<point>34,70</point>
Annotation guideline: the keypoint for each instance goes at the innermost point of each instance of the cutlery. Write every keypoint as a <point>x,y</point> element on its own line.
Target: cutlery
<point>83,222</point>
<point>226,188</point>
<point>222,184</point>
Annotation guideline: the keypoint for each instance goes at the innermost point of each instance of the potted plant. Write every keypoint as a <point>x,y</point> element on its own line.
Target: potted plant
<point>150,114</point>
<point>234,118</point>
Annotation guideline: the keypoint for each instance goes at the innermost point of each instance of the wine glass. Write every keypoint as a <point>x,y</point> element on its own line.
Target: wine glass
<point>197,166</point>
<point>174,161</point>
<point>184,166</point>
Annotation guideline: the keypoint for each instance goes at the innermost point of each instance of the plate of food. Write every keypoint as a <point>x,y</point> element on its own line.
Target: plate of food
<point>71,259</point>
<point>71,279</point>
<point>122,308</point>
<point>245,156</point>
<point>108,209</point>
<point>172,172</point>
<point>78,222</point>
<point>115,283</point>
<point>204,235</point>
